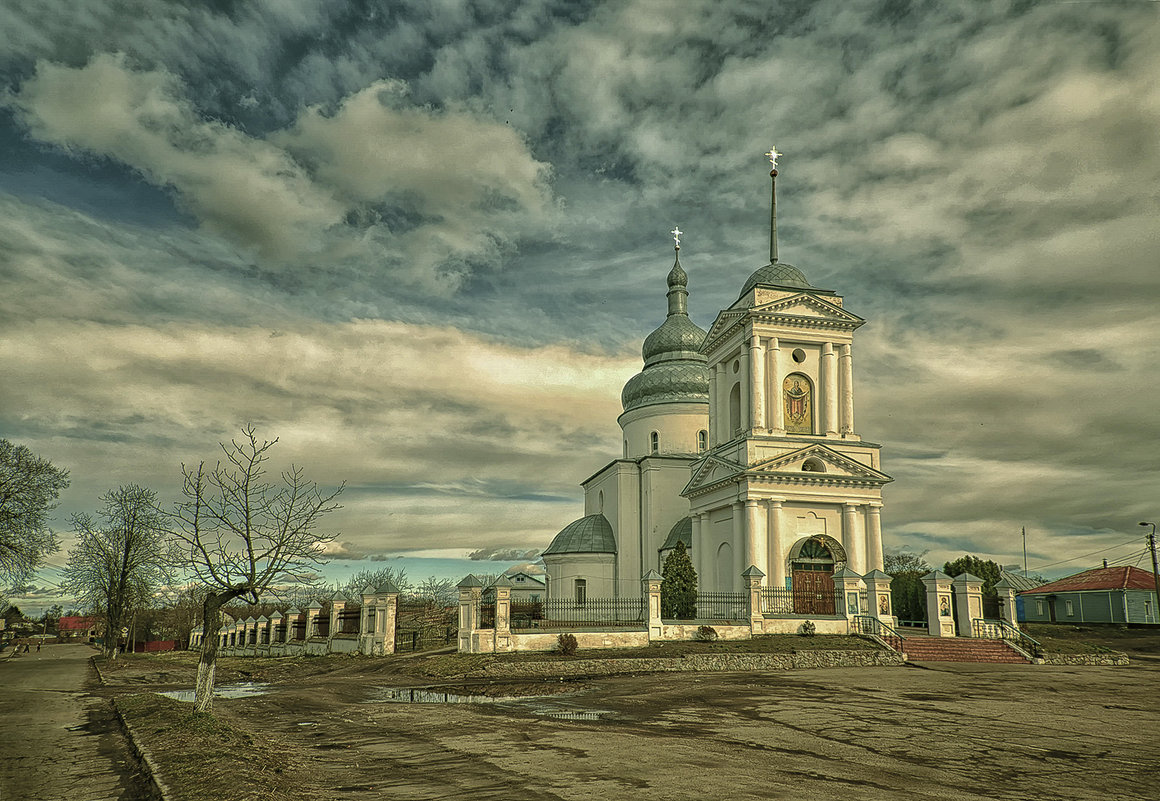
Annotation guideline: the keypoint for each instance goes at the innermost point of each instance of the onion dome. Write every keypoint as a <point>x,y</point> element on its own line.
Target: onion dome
<point>778,274</point>
<point>674,369</point>
<point>682,531</point>
<point>591,534</point>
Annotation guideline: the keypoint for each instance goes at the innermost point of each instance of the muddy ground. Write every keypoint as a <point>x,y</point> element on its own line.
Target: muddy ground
<point>938,731</point>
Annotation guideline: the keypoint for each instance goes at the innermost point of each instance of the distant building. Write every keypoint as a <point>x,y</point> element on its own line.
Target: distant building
<point>526,587</point>
<point>1101,595</point>
<point>1019,583</point>
<point>79,629</point>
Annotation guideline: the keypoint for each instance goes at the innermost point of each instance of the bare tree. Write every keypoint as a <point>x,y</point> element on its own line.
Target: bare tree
<point>376,578</point>
<point>243,534</point>
<point>29,487</point>
<point>120,558</point>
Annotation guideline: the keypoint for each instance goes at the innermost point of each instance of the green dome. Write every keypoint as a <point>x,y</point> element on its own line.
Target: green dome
<point>591,534</point>
<point>678,335</point>
<point>779,274</point>
<point>685,381</point>
<point>682,531</point>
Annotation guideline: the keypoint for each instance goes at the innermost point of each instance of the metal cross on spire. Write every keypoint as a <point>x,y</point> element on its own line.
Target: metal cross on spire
<point>676,232</point>
<point>773,156</point>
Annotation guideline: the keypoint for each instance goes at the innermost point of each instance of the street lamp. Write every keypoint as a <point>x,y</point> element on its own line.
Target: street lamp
<point>1155,571</point>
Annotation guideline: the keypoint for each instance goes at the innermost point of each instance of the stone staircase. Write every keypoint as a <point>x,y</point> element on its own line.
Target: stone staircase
<point>959,649</point>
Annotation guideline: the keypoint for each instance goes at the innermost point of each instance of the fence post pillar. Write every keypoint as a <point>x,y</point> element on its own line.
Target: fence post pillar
<point>968,592</point>
<point>470,593</point>
<point>337,604</point>
<point>651,587</point>
<point>387,610</point>
<point>881,599</point>
<point>366,634</point>
<point>503,608</point>
<point>1008,611</point>
<point>851,586</point>
<point>292,616</point>
<point>939,621</point>
<point>751,578</point>
<point>313,612</point>
<point>263,638</point>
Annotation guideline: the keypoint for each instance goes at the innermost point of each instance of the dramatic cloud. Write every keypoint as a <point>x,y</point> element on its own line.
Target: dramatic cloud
<point>423,246</point>
<point>434,190</point>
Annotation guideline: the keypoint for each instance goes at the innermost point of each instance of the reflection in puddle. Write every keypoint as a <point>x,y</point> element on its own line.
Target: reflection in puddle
<point>243,689</point>
<point>535,704</point>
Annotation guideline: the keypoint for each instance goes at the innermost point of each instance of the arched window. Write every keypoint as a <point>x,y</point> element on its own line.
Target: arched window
<point>702,440</point>
<point>654,442</point>
<point>735,410</point>
<point>813,466</point>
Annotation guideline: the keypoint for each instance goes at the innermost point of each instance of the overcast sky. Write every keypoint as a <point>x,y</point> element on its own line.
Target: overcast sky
<point>421,243</point>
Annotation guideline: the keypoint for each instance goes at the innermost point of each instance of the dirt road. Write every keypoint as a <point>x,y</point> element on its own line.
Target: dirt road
<point>57,741</point>
<point>946,731</point>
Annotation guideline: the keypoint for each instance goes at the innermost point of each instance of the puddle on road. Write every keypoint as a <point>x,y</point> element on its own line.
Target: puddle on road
<point>243,689</point>
<point>538,705</point>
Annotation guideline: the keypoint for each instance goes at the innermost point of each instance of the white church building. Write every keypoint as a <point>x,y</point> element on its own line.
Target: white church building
<point>741,442</point>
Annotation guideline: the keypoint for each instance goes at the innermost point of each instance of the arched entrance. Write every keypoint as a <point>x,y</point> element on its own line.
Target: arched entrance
<point>812,564</point>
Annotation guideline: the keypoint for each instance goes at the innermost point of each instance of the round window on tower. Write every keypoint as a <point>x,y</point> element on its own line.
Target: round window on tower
<point>736,365</point>
<point>798,355</point>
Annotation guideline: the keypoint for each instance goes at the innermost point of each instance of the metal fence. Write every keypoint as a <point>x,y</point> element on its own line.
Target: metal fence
<point>566,613</point>
<point>780,601</point>
<point>422,625</point>
<point>349,619</point>
<point>722,606</point>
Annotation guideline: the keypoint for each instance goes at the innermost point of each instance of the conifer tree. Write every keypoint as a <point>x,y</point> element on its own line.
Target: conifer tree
<point>679,586</point>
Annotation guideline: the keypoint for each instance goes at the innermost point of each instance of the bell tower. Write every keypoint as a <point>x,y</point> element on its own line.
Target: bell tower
<point>787,472</point>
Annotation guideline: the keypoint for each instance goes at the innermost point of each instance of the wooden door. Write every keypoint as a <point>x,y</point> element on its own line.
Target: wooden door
<point>813,592</point>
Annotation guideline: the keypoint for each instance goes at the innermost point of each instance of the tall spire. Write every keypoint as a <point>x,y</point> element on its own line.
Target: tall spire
<point>678,279</point>
<point>773,156</point>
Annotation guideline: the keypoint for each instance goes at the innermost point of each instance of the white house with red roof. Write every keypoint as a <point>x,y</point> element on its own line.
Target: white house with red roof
<point>1121,594</point>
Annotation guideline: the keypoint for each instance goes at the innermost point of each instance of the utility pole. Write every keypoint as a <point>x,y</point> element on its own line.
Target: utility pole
<point>1024,530</point>
<point>1155,571</point>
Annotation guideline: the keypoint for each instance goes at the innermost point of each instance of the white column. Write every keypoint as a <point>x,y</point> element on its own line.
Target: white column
<point>698,551</point>
<point>853,539</point>
<point>746,390</point>
<point>714,407</point>
<point>776,569</point>
<point>755,550</point>
<point>738,546</point>
<point>724,433</point>
<point>829,390</point>
<point>773,396</point>
<point>756,383</point>
<point>846,369</point>
<point>874,537</point>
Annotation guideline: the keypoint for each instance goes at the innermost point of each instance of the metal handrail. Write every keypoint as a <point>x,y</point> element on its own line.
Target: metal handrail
<point>865,624</point>
<point>1008,632</point>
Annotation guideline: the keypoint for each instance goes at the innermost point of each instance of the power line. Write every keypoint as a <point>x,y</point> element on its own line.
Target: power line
<point>1084,555</point>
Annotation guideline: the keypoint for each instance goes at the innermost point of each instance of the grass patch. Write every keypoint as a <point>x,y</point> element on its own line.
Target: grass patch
<point>1068,639</point>
<point>207,756</point>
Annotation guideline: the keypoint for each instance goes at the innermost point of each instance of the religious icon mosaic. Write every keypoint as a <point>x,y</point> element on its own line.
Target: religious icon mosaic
<point>798,397</point>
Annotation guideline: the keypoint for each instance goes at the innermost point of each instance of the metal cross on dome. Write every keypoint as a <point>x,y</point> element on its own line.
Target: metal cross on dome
<point>773,156</point>
<point>676,232</point>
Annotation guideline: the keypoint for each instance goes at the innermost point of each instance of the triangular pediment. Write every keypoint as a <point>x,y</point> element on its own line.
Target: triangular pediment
<point>806,306</point>
<point>710,470</point>
<point>818,462</point>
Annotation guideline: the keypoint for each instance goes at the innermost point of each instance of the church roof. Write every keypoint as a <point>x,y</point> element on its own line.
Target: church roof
<point>591,534</point>
<point>675,370</point>
<point>779,274</point>
<point>682,531</point>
